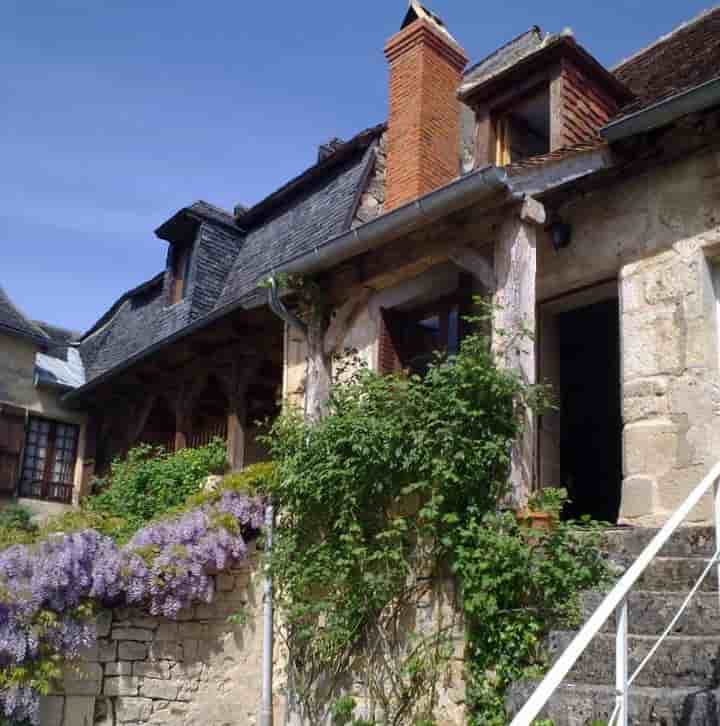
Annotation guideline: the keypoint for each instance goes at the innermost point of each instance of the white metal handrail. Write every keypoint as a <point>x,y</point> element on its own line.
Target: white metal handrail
<point>616,602</point>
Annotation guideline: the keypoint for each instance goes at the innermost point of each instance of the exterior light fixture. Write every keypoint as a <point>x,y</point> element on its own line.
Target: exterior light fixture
<point>560,234</point>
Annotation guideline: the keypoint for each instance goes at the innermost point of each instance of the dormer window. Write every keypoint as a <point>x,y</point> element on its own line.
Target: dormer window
<point>537,94</point>
<point>523,129</point>
<point>179,272</point>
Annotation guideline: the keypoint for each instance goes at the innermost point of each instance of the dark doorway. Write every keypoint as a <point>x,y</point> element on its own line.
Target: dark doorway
<point>590,414</point>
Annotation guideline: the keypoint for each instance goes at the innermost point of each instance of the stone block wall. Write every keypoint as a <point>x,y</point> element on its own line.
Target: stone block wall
<point>198,670</point>
<point>655,237</point>
<point>671,391</point>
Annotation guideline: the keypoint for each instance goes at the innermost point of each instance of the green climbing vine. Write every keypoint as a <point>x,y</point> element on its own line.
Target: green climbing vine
<point>392,495</point>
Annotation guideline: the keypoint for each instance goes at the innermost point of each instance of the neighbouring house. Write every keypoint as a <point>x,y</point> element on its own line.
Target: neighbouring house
<point>585,201</point>
<point>41,440</point>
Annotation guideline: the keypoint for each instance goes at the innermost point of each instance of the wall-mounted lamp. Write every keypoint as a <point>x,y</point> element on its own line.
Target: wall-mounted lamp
<point>560,234</point>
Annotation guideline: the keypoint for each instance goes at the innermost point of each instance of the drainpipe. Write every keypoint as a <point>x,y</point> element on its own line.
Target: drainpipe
<point>266,704</point>
<point>278,307</point>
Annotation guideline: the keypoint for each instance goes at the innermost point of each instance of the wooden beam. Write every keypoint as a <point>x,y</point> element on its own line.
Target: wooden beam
<point>472,261</point>
<point>344,317</point>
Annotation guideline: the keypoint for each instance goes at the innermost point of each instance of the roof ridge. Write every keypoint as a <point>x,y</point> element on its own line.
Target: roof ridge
<point>474,66</point>
<point>32,327</point>
<point>110,312</point>
<point>352,144</point>
<point>664,38</point>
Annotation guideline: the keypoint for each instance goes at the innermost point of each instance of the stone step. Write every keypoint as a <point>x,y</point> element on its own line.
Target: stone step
<point>580,705</point>
<point>686,542</point>
<point>682,661</point>
<point>671,574</point>
<point>651,612</point>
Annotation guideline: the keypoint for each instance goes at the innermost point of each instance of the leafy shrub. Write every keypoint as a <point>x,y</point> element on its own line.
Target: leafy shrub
<point>77,520</point>
<point>149,482</point>
<point>15,516</point>
<point>397,463</point>
<point>16,526</point>
<point>405,473</point>
<point>517,583</point>
<point>253,480</point>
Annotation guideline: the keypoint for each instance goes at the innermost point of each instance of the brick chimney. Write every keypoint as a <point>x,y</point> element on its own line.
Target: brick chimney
<point>426,65</point>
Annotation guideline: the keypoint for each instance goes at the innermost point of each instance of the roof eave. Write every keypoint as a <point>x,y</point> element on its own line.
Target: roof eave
<point>557,46</point>
<point>664,112</point>
<point>464,191</point>
<point>17,333</point>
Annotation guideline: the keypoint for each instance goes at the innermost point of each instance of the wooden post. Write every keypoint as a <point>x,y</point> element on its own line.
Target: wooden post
<point>319,369</point>
<point>235,384</point>
<point>236,440</point>
<point>181,433</point>
<point>515,301</point>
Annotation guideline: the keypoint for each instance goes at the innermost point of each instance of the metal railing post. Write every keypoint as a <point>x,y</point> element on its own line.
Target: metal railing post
<point>621,664</point>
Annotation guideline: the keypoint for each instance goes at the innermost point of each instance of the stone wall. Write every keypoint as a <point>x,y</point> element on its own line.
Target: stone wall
<point>671,391</point>
<point>434,615</point>
<point>372,200</point>
<point>654,237</point>
<point>198,670</point>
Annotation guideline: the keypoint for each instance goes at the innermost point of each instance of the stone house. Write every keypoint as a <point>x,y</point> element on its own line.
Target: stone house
<point>41,440</point>
<point>583,200</point>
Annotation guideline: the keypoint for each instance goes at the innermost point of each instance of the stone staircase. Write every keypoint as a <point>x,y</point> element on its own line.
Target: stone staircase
<point>681,683</point>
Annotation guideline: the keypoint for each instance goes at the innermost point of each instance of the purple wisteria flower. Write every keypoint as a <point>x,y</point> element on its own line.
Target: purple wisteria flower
<point>166,567</point>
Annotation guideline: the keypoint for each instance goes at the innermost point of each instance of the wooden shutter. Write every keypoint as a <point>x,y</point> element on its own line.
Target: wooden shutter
<point>12,437</point>
<point>388,358</point>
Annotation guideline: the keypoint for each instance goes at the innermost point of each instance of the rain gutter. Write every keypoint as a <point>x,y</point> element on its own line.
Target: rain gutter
<point>460,193</point>
<point>665,111</point>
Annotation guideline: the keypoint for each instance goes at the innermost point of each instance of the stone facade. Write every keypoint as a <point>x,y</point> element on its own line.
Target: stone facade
<point>17,388</point>
<point>653,238</point>
<point>372,200</point>
<point>435,616</point>
<point>199,670</point>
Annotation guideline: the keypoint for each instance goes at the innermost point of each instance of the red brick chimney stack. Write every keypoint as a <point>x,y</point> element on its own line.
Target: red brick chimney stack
<point>426,66</point>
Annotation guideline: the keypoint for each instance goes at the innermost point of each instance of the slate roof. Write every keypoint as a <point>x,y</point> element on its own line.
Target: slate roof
<point>137,320</point>
<point>321,211</point>
<point>14,322</point>
<point>686,57</point>
<point>232,254</point>
<point>502,58</point>
<point>66,371</point>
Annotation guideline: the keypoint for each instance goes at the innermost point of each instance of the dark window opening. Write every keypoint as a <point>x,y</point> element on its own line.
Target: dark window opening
<point>416,334</point>
<point>49,461</point>
<point>523,129</point>
<point>210,416</point>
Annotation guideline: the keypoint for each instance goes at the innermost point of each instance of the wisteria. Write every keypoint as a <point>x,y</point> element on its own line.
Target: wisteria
<point>48,590</point>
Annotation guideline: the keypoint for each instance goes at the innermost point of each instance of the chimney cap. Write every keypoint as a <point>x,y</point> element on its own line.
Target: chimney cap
<point>329,148</point>
<point>416,11</point>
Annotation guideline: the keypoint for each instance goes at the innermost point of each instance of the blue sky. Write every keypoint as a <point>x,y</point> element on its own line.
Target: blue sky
<point>117,113</point>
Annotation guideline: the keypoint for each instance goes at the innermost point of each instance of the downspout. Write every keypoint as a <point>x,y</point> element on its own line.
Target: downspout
<point>266,703</point>
<point>278,307</point>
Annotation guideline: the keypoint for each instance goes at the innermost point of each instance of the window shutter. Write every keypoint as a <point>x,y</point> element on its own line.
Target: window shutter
<point>12,436</point>
<point>388,358</point>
